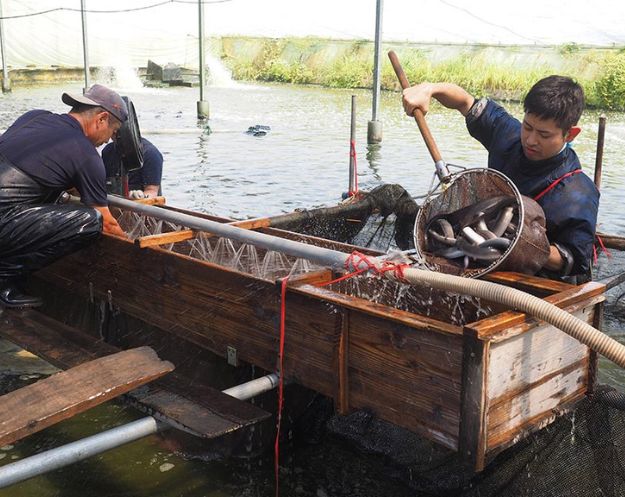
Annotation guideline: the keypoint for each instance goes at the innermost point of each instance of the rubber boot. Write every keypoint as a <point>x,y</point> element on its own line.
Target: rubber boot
<point>12,296</point>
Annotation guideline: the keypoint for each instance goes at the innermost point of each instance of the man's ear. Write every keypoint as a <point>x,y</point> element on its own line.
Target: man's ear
<point>572,134</point>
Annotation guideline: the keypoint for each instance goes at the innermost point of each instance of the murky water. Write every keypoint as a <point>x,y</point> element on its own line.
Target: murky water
<point>302,162</point>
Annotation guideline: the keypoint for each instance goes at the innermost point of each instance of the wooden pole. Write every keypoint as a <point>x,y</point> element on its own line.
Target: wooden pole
<point>599,156</point>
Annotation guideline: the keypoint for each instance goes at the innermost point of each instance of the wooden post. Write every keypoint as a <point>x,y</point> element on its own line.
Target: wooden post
<point>599,156</point>
<point>472,436</point>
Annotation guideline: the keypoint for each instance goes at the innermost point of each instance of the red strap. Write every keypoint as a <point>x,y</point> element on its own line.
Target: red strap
<point>553,185</point>
<point>276,446</point>
<point>352,153</point>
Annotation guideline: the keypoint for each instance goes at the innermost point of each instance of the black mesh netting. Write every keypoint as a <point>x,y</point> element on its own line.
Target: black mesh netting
<point>581,454</point>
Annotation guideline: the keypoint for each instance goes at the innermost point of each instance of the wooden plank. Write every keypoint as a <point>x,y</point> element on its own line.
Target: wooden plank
<point>164,238</point>
<point>525,359</point>
<point>200,410</point>
<point>150,200</point>
<point>537,402</point>
<point>504,323</point>
<point>408,377</point>
<point>380,310</point>
<point>531,284</point>
<point>63,395</point>
<point>343,364</point>
<point>612,241</point>
<point>473,422</point>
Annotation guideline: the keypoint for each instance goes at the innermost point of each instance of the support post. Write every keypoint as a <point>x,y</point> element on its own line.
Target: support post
<point>353,186</point>
<point>6,82</point>
<point>202,105</point>
<point>85,45</point>
<point>374,128</point>
<point>599,156</point>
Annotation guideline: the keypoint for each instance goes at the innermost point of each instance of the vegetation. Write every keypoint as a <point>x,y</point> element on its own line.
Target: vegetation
<point>348,64</point>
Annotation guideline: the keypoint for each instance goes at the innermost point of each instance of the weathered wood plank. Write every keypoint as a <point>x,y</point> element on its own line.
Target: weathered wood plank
<point>532,284</point>
<point>537,402</point>
<point>474,402</point>
<point>503,325</point>
<point>395,370</point>
<point>150,200</point>
<point>525,359</point>
<point>200,410</point>
<point>381,311</point>
<point>63,395</point>
<point>164,238</point>
<point>343,364</point>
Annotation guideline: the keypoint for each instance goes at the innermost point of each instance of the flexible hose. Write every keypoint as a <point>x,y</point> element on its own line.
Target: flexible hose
<point>522,301</point>
<point>510,297</point>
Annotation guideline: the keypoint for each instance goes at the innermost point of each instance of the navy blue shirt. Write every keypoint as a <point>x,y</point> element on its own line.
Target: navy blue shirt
<point>151,172</point>
<point>570,207</point>
<point>54,151</point>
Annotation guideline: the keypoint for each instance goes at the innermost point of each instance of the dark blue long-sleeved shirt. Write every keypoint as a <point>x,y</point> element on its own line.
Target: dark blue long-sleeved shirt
<point>570,207</point>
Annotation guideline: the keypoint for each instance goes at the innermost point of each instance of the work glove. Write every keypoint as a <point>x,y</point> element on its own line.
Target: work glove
<point>136,194</point>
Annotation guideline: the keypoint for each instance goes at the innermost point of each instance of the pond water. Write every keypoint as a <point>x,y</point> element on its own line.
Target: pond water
<point>302,162</point>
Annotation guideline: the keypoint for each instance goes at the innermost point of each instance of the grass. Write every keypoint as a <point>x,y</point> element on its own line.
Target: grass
<point>311,61</point>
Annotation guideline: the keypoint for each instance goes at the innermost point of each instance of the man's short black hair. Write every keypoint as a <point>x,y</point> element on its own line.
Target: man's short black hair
<point>558,98</point>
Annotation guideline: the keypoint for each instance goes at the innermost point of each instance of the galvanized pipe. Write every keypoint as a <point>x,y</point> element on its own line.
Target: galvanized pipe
<point>323,256</point>
<point>85,45</point>
<point>376,60</point>
<point>76,451</point>
<point>253,388</point>
<point>352,149</point>
<point>202,105</point>
<point>6,83</point>
<point>96,444</point>
<point>374,128</point>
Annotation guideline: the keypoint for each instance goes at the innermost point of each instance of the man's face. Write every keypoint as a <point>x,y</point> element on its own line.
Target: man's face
<point>104,127</point>
<point>542,138</point>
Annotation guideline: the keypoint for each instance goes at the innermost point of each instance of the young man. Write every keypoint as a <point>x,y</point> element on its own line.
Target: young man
<point>535,154</point>
<point>41,155</point>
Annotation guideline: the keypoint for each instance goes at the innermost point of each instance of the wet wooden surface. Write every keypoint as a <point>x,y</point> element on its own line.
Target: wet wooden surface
<point>202,411</point>
<point>62,395</point>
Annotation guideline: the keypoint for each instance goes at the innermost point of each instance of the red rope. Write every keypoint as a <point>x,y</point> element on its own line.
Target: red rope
<point>280,382</point>
<point>553,185</point>
<point>604,249</point>
<point>356,258</point>
<point>352,154</point>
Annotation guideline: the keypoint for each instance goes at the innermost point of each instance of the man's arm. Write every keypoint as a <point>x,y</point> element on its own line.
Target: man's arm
<point>151,191</point>
<point>110,224</point>
<point>450,95</point>
<point>555,261</point>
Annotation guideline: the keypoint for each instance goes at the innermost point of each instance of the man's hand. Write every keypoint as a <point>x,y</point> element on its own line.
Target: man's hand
<point>136,194</point>
<point>417,97</point>
<point>109,223</point>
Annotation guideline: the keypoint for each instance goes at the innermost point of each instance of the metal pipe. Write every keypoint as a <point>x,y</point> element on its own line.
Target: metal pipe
<point>320,255</point>
<point>599,156</point>
<point>376,60</point>
<point>253,388</point>
<point>374,128</point>
<point>85,45</point>
<point>6,82</point>
<point>76,451</point>
<point>202,105</point>
<point>352,150</point>
<point>90,446</point>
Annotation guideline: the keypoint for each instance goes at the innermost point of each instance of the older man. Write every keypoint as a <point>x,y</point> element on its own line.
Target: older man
<point>41,155</point>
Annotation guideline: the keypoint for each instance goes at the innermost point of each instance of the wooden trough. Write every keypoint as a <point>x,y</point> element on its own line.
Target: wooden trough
<point>467,374</point>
